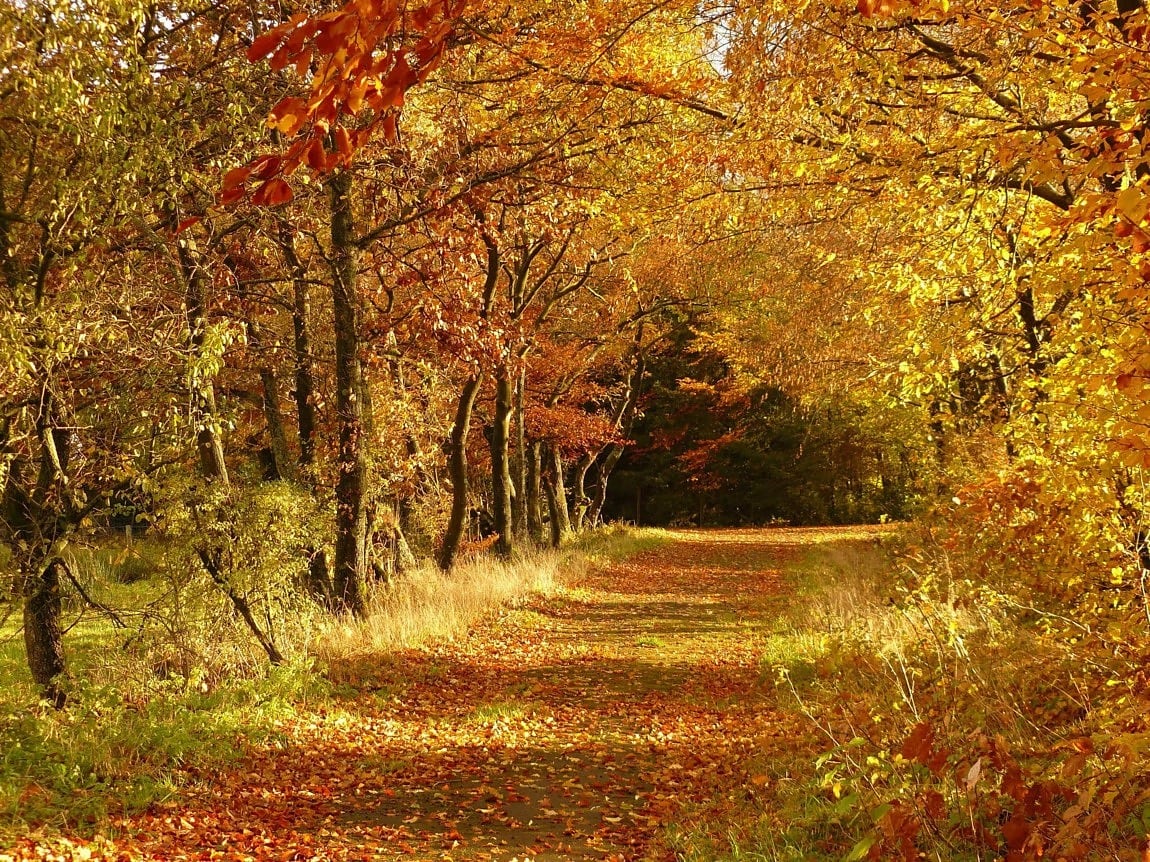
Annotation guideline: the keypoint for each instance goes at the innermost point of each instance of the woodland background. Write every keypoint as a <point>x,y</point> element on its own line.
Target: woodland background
<point>296,295</point>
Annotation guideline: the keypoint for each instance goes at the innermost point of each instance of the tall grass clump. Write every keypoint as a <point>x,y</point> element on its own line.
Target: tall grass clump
<point>427,604</point>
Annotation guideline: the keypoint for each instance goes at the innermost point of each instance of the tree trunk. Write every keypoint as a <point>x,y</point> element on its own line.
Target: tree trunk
<point>209,444</point>
<point>351,553</point>
<point>533,492</point>
<point>625,420</point>
<point>582,501</point>
<point>458,470</point>
<point>553,511</point>
<point>404,559</point>
<point>404,508</point>
<point>500,463</point>
<point>556,494</point>
<point>273,414</point>
<point>595,512</point>
<point>301,331</point>
<point>43,636</point>
<point>519,461</point>
<point>318,577</point>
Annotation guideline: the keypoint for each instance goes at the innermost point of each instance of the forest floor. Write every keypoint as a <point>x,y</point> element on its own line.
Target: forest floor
<point>595,723</point>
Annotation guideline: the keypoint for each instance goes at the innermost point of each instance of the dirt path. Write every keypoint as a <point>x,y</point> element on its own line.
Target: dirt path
<point>574,728</point>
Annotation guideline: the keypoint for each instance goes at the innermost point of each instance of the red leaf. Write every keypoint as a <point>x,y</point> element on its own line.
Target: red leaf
<point>1016,830</point>
<point>272,193</point>
<point>918,745</point>
<point>230,195</point>
<point>236,177</point>
<point>266,167</point>
<point>265,44</point>
<point>187,223</point>
<point>316,157</point>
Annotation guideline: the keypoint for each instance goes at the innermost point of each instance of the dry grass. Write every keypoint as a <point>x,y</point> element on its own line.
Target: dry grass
<point>852,593</point>
<point>428,605</point>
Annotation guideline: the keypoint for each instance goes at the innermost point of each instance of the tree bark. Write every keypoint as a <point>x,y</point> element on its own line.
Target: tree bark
<point>404,558</point>
<point>301,332</point>
<point>500,463</point>
<point>209,444</point>
<point>37,525</point>
<point>533,494</point>
<point>553,511</point>
<point>43,636</point>
<point>624,423</point>
<point>350,565</point>
<point>582,501</point>
<point>556,494</point>
<point>457,467</point>
<point>273,413</point>
<point>595,512</point>
<point>519,456</point>
<point>273,416</point>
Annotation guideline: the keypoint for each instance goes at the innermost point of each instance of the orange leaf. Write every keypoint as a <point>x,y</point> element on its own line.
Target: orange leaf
<point>272,193</point>
<point>343,142</point>
<point>390,129</point>
<point>236,177</point>
<point>424,16</point>
<point>265,44</point>
<point>316,157</point>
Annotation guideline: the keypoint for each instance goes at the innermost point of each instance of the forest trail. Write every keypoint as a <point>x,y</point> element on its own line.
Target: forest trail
<point>574,727</point>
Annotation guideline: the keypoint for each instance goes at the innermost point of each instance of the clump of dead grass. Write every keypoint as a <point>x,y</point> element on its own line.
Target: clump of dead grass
<point>427,605</point>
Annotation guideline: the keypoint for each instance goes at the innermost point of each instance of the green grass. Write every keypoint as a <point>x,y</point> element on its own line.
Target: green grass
<point>653,641</point>
<point>129,732</point>
<point>502,711</point>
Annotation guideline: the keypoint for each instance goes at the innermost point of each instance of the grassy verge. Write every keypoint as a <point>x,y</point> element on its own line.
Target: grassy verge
<point>953,722</point>
<point>136,731</point>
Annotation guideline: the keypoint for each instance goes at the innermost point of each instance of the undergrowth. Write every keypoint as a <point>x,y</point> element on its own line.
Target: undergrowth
<point>959,720</point>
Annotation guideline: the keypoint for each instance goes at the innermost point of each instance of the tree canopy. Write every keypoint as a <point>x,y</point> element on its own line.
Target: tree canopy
<point>312,290</point>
